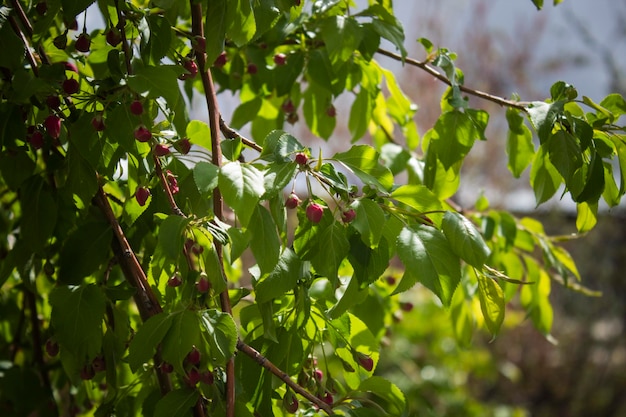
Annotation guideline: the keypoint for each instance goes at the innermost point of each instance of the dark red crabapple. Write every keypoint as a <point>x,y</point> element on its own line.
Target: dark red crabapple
<point>290,402</point>
<point>167,367</point>
<point>172,182</point>
<point>83,43</point>
<point>328,398</point>
<point>98,123</point>
<point>70,86</point>
<point>288,106</point>
<point>36,139</point>
<point>348,215</point>
<point>136,108</point>
<point>52,347</point>
<point>53,125</point>
<point>365,361</point>
<point>406,306</point>
<point>331,111</point>
<point>301,158</point>
<point>220,61</point>
<point>314,212</point>
<point>113,36</point>
<point>292,201</point>
<point>318,374</point>
<point>193,377</point>
<point>70,66</point>
<point>194,356</point>
<point>203,284</point>
<point>191,67</point>
<point>207,377</point>
<point>141,195</point>
<point>280,59</point>
<point>142,134</point>
<point>174,281</point>
<point>98,364</point>
<point>41,8</point>
<point>252,69</point>
<point>161,150</point>
<point>53,102</point>
<point>183,146</point>
<point>87,372</point>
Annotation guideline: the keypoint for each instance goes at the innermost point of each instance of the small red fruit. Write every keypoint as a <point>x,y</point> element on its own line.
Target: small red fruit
<point>113,36</point>
<point>98,123</point>
<point>220,61</point>
<point>52,348</point>
<point>365,361</point>
<point>167,367</point>
<point>199,44</point>
<point>348,215</point>
<point>174,281</point>
<point>390,280</point>
<point>72,25</point>
<point>280,59</point>
<point>203,284</point>
<point>87,372</point>
<point>98,364</point>
<point>53,102</point>
<point>406,306</point>
<point>36,139</point>
<point>328,398</point>
<point>172,182</point>
<point>70,66</point>
<point>301,158</point>
<point>318,374</point>
<point>141,195</point>
<point>183,146</point>
<point>41,8</point>
<point>193,377</point>
<point>71,86</point>
<point>136,108</point>
<point>191,67</point>
<point>292,201</point>
<point>288,106</point>
<point>83,43</point>
<point>161,150</point>
<point>142,134</point>
<point>194,356</point>
<point>314,212</point>
<point>53,125</point>
<point>252,69</point>
<point>290,402</point>
<point>331,111</point>
<point>207,377</point>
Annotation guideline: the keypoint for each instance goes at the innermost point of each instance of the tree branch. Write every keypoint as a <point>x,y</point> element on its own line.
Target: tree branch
<point>520,105</point>
<point>231,133</point>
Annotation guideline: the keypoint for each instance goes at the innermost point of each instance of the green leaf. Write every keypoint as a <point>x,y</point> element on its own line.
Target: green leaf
<point>316,102</point>
<point>369,221</point>
<point>177,403</point>
<point>535,297</point>
<point>77,314</point>
<point>360,114</point>
<point>538,4</point>
<point>241,23</point>
<point>264,242</point>
<point>594,181</point>
<point>491,300</point>
<point>519,145</point>
<point>246,112</point>
<point>543,115</point>
<point>333,248</point>
<point>220,331</point>
<point>39,213</point>
<point>544,177</point>
<point>565,154</point>
<point>277,176</point>
<point>363,161</point>
<point>15,168</point>
<point>143,345</point>
<point>464,239</point>
<point>428,257</point>
<point>418,197</point>
<point>171,235</point>
<point>215,28</point>
<point>71,8</point>
<point>183,334</point>
<point>282,279</point>
<point>205,176</point>
<point>393,397</point>
<point>453,136</point>
<point>199,134</point>
<point>586,216</point>
<point>242,186</point>
<point>85,251</point>
<point>342,36</point>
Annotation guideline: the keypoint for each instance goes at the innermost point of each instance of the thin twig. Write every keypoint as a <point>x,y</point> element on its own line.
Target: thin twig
<point>166,187</point>
<point>231,133</point>
<point>520,105</point>
<point>267,364</point>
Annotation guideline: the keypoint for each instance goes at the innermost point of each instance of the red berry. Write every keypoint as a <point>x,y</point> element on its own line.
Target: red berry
<point>53,126</point>
<point>331,111</point>
<point>174,281</point>
<point>290,402</point>
<point>203,284</point>
<point>36,139</point>
<point>193,377</point>
<point>83,43</point>
<point>301,158</point>
<point>136,108</point>
<point>314,212</point>
<point>318,374</point>
<point>194,356</point>
<point>53,102</point>
<point>183,146</point>
<point>292,201</point>
<point>365,361</point>
<point>87,372</point>
<point>98,364</point>
<point>199,44</point>
<point>142,134</point>
<point>348,215</point>
<point>252,69</point>
<point>207,377</point>
<point>167,367</point>
<point>288,106</point>
<point>220,61</point>
<point>390,280</point>
<point>280,59</point>
<point>191,67</point>
<point>197,249</point>
<point>113,36</point>
<point>172,182</point>
<point>98,123</point>
<point>71,86</point>
<point>161,150</point>
<point>52,348</point>
<point>141,195</point>
<point>72,25</point>
<point>70,66</point>
<point>41,8</point>
<point>406,306</point>
<point>328,398</point>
